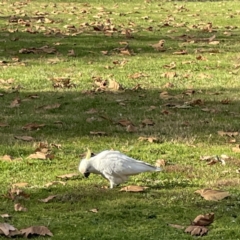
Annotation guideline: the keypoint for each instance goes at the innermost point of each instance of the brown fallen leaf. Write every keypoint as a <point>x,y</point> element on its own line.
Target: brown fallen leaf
<point>159,46</point>
<point>172,65</point>
<point>8,230</point>
<point>54,183</point>
<point>196,230</point>
<point>236,149</point>
<point>19,208</point>
<point>71,53</point>
<point>15,193</point>
<point>133,188</point>
<point>214,42</point>
<point>94,210</point>
<point>33,96</point>
<point>201,58</point>
<point>5,215</point>
<point>149,139</point>
<point>212,195</point>
<point>6,158</point>
<point>36,230</point>
<point>20,185</point>
<point>138,75</point>
<point>49,198</point>
<point>203,220</point>
<point>209,110</point>
<point>68,176</point>
<point>124,122</point>
<point>131,129</point>
<point>229,134</point>
<point>181,52</point>
<point>32,126</point>
<point>176,226</point>
<point>62,82</point>
<point>3,124</point>
<point>52,106</point>
<point>213,159</point>
<point>169,75</point>
<point>91,111</point>
<point>165,95</point>
<point>15,103</point>
<point>99,133</point>
<point>38,155</point>
<point>160,163</point>
<point>125,52</point>
<point>113,85</point>
<point>148,122</point>
<point>24,138</point>
<point>43,49</point>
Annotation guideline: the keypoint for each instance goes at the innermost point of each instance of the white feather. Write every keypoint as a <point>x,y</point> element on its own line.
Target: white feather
<point>115,166</point>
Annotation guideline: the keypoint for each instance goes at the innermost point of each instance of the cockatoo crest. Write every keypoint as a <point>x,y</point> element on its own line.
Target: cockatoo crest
<point>88,155</point>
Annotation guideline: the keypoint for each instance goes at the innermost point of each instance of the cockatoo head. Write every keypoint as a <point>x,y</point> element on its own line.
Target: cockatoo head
<point>85,165</point>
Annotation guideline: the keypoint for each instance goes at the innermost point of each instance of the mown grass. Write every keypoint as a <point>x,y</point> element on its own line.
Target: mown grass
<point>184,134</point>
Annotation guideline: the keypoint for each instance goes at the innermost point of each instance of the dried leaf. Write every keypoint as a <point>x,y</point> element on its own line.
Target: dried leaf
<point>148,122</point>
<point>212,195</point>
<point>125,52</point>
<point>32,126</point>
<point>131,128</point>
<point>68,176</point>
<point>20,185</point>
<point>203,220</point>
<point>43,49</point>
<point>24,138</point>
<point>54,183</point>
<point>165,95</point>
<point>124,122</point>
<point>114,85</point>
<point>214,42</point>
<point>46,200</point>
<point>6,158</point>
<point>236,149</point>
<point>38,155</point>
<point>149,139</point>
<point>229,134</point>
<point>15,103</point>
<point>138,75</point>
<point>160,163</point>
<point>100,133</point>
<point>181,52</point>
<point>3,124</point>
<point>159,46</point>
<point>19,208</point>
<point>176,226</point>
<point>36,230</point>
<point>94,210</point>
<point>15,193</point>
<point>7,229</point>
<point>133,188</point>
<point>169,75</point>
<point>71,53</point>
<point>172,65</point>
<point>91,111</point>
<point>47,107</point>
<point>5,215</point>
<point>196,230</point>
<point>33,96</point>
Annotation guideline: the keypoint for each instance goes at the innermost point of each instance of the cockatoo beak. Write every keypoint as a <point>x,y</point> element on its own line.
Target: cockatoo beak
<point>86,174</point>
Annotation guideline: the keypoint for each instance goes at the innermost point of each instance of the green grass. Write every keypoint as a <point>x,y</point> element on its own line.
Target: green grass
<point>184,134</point>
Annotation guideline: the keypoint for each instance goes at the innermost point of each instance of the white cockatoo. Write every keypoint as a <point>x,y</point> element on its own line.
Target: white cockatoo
<point>114,166</point>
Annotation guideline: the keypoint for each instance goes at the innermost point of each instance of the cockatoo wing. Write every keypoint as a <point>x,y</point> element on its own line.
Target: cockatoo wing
<point>118,165</point>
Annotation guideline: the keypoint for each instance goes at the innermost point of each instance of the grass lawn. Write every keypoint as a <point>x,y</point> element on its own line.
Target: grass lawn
<point>76,75</point>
